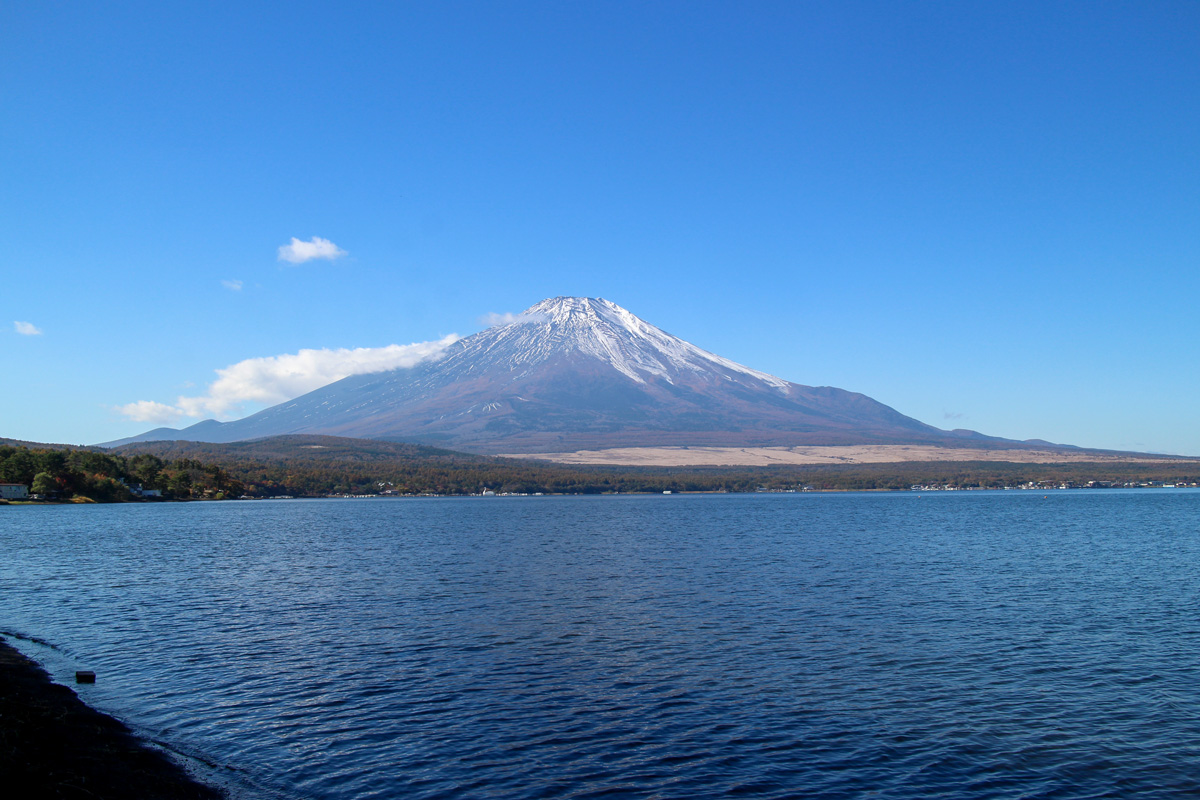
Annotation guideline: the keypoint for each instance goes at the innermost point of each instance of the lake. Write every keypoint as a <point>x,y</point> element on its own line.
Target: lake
<point>965,644</point>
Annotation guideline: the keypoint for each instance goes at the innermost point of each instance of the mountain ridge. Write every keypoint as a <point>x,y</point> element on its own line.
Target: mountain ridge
<point>579,373</point>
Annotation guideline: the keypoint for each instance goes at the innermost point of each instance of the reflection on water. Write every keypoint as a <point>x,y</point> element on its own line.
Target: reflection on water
<point>967,645</point>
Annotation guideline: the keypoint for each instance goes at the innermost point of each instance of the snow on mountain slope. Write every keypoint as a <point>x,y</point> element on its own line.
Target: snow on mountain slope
<point>573,373</point>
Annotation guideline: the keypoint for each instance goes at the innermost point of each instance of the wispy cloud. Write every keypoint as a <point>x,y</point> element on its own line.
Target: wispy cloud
<point>953,415</point>
<point>232,285</point>
<point>150,411</point>
<point>492,319</point>
<point>27,329</point>
<point>273,379</point>
<point>298,252</point>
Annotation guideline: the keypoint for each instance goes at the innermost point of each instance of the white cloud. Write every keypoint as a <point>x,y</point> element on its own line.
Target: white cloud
<point>298,252</point>
<point>232,285</point>
<point>27,329</point>
<point>273,379</point>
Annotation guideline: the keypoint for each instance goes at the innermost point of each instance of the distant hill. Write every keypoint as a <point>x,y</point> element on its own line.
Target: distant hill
<point>302,449</point>
<point>47,446</point>
<point>578,373</point>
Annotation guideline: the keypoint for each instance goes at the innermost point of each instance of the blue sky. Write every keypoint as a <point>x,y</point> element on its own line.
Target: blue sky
<point>984,215</point>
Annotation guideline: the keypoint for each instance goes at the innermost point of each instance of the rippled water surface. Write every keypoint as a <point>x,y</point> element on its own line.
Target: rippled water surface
<point>1009,645</point>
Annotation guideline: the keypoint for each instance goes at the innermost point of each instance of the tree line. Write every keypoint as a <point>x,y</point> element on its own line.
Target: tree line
<point>322,465</point>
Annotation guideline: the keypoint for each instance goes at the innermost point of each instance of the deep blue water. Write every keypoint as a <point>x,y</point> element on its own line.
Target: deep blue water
<point>958,645</point>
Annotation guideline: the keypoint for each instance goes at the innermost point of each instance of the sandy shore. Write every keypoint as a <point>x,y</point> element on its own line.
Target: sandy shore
<point>854,454</point>
<point>52,745</point>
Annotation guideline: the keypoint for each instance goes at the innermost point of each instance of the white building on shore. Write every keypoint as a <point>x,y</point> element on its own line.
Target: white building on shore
<point>13,491</point>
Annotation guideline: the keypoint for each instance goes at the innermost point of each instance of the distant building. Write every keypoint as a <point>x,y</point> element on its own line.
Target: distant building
<point>13,491</point>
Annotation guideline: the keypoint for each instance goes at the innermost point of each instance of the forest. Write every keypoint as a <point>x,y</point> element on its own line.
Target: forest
<point>82,474</point>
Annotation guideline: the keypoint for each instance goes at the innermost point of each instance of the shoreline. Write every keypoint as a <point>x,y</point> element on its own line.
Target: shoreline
<point>55,745</point>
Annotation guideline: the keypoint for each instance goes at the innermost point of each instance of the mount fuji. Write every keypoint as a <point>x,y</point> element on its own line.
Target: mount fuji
<point>574,373</point>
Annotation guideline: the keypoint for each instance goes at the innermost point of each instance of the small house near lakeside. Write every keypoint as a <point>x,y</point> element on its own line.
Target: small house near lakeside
<point>13,491</point>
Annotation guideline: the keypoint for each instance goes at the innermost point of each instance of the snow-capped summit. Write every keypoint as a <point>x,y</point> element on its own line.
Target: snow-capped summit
<point>601,330</point>
<point>571,373</point>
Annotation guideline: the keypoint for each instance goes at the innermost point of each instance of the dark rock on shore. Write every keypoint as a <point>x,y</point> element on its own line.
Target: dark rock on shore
<point>52,745</point>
